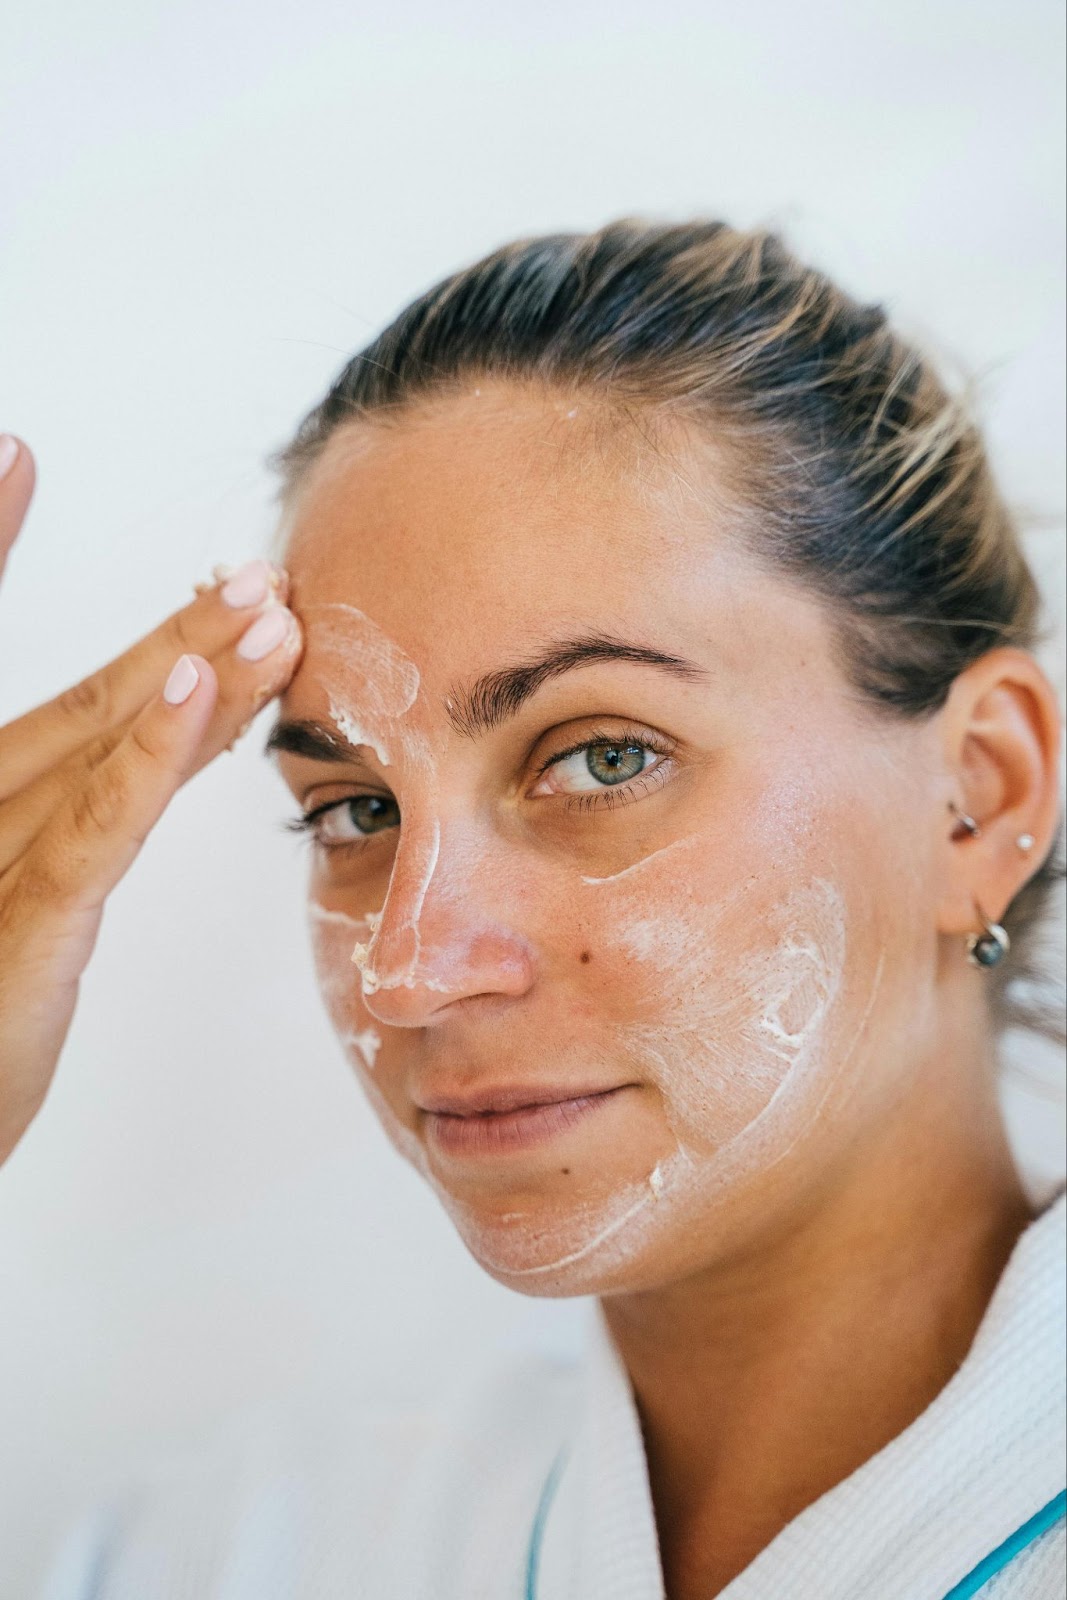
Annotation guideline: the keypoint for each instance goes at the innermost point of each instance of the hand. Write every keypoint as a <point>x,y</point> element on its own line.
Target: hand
<point>84,778</point>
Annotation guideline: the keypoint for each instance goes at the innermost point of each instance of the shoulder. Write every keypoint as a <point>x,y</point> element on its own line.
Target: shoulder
<point>361,1501</point>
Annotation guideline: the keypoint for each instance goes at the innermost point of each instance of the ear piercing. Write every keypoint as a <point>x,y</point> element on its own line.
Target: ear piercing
<point>987,948</point>
<point>1024,841</point>
<point>965,821</point>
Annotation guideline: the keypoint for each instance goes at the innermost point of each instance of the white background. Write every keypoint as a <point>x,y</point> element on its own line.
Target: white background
<point>203,210</point>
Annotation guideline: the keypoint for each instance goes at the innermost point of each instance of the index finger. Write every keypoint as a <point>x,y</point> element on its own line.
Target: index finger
<point>216,618</point>
<point>17,478</point>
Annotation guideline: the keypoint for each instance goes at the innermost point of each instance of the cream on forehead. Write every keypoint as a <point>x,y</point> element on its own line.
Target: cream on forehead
<point>356,733</point>
<point>371,686</point>
<point>365,669</point>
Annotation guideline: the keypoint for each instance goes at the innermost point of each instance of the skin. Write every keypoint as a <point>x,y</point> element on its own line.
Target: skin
<point>84,778</point>
<point>751,1311</point>
<point>786,868</point>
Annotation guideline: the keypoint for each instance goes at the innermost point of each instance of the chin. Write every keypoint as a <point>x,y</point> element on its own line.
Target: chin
<point>564,1246</point>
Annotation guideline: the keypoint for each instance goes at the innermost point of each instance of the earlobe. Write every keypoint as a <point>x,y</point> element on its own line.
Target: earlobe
<point>1002,740</point>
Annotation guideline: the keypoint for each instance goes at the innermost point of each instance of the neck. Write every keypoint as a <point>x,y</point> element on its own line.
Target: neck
<point>766,1381</point>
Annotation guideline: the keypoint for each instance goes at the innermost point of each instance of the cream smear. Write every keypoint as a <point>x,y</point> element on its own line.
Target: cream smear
<point>738,1048</point>
<point>373,678</point>
<point>399,966</point>
<point>729,1014</point>
<point>331,938</point>
<point>371,686</point>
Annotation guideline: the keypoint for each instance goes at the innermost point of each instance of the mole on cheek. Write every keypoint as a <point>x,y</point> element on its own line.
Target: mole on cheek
<point>585,958</point>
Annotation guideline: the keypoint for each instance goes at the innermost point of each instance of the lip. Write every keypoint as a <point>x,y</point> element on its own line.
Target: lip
<point>514,1122</point>
<point>511,1097</point>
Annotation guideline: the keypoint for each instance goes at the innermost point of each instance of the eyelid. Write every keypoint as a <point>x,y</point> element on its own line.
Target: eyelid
<point>308,817</point>
<point>646,738</point>
<point>633,735</point>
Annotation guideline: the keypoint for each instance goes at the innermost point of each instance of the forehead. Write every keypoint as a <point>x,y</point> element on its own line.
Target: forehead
<point>504,513</point>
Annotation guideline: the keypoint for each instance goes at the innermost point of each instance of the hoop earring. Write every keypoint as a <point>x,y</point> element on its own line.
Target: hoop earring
<point>973,828</point>
<point>989,947</point>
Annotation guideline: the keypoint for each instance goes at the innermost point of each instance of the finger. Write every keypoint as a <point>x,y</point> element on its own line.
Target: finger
<point>115,694</point>
<point>24,815</point>
<point>17,478</point>
<point>253,673</point>
<point>89,844</point>
<point>245,685</point>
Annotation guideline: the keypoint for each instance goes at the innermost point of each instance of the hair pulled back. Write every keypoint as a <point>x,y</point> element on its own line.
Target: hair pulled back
<point>871,482</point>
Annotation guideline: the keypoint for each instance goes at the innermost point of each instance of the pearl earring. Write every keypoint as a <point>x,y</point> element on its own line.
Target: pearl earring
<point>1025,842</point>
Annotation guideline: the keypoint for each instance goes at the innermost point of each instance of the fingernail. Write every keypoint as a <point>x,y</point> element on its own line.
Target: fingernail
<point>249,585</point>
<point>181,683</point>
<point>265,634</point>
<point>9,453</point>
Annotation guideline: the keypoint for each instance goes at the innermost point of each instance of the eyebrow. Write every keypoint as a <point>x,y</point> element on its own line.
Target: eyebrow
<point>495,696</point>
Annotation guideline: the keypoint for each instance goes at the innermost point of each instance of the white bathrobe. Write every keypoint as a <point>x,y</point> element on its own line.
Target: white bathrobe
<point>533,1486</point>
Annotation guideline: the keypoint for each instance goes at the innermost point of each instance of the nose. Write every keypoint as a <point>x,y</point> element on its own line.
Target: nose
<point>442,935</point>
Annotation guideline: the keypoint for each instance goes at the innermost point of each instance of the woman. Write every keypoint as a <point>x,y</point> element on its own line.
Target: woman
<point>656,692</point>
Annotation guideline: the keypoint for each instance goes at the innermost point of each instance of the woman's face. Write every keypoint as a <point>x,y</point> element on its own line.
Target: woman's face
<point>597,822</point>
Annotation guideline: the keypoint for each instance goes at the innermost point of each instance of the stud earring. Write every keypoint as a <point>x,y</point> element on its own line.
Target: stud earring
<point>989,947</point>
<point>965,821</point>
<point>1025,842</point>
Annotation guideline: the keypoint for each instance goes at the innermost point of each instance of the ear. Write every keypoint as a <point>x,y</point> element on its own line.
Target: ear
<point>1001,727</point>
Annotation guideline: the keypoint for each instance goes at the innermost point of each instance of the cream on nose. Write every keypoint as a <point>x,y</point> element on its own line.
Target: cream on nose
<point>438,939</point>
<point>393,956</point>
<point>482,961</point>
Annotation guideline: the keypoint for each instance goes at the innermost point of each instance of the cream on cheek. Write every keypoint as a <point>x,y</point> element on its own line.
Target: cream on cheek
<point>371,686</point>
<point>728,1006</point>
<point>332,937</point>
<point>728,1014</point>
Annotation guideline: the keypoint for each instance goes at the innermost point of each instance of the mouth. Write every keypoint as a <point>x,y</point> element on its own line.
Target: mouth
<point>496,1122</point>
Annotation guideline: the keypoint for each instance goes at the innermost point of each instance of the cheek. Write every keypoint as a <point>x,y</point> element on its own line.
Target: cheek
<point>717,1005</point>
<point>333,936</point>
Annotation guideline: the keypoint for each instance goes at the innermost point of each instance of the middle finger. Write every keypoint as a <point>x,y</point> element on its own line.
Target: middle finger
<point>49,734</point>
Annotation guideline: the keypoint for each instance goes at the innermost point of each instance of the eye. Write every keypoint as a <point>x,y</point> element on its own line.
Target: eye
<point>596,765</point>
<point>351,820</point>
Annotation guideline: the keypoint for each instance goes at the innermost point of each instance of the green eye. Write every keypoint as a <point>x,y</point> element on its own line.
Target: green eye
<point>346,821</point>
<point>615,763</point>
<point>598,765</point>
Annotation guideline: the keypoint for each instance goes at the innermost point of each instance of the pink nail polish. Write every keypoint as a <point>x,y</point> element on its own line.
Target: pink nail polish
<point>9,453</point>
<point>181,683</point>
<point>265,634</point>
<point>249,586</point>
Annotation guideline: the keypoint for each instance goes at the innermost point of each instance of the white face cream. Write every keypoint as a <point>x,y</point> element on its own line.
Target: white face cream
<point>371,686</point>
<point>725,1012</point>
<point>740,1052</point>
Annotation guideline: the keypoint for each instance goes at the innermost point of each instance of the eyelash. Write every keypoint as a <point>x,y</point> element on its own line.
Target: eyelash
<point>609,796</point>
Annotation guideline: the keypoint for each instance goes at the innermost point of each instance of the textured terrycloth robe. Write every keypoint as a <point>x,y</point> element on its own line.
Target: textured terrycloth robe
<point>533,1486</point>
